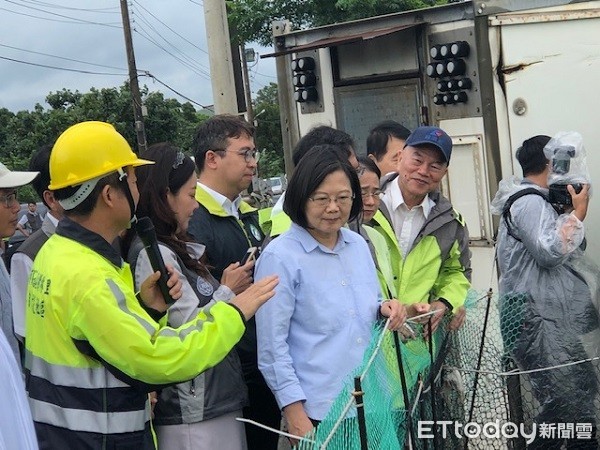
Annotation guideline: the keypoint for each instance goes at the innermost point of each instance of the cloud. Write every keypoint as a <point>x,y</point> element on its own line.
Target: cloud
<point>90,31</point>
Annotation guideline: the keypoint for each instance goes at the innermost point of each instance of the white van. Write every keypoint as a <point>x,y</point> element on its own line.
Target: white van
<point>276,185</point>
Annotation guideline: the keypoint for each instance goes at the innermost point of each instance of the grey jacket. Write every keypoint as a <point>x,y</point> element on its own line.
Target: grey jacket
<point>217,391</point>
<point>542,261</point>
<point>548,294</point>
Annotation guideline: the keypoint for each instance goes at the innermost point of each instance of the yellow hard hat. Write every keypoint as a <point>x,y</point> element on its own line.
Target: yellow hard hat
<point>89,150</point>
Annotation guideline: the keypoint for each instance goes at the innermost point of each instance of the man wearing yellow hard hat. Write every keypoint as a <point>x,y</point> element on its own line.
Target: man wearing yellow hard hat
<point>92,351</point>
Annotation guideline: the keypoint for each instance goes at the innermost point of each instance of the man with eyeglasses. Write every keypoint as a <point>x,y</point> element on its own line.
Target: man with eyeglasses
<point>16,430</point>
<point>9,209</point>
<point>226,159</point>
<point>432,236</point>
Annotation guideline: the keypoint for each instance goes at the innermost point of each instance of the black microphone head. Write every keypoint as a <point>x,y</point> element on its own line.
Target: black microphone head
<point>145,230</point>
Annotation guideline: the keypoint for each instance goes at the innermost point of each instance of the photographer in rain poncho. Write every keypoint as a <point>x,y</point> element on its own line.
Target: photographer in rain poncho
<point>547,286</point>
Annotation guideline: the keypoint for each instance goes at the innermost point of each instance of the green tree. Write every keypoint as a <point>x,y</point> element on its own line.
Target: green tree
<point>22,133</point>
<point>251,19</point>
<point>268,138</point>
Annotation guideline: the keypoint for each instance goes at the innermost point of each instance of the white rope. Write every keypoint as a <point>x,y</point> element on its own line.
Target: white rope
<point>435,380</point>
<point>376,350</point>
<point>351,401</point>
<point>337,424</point>
<point>282,433</point>
<point>524,372</point>
<point>420,316</point>
<point>416,402</point>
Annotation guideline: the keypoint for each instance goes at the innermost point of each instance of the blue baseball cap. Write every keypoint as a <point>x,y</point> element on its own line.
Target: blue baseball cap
<point>431,136</point>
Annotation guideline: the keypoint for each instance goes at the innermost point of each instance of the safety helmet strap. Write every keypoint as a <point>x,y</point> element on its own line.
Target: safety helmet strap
<point>128,195</point>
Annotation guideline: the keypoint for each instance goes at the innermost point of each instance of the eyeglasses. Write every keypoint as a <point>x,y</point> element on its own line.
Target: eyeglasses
<point>366,194</point>
<point>323,201</point>
<point>248,155</point>
<point>9,200</point>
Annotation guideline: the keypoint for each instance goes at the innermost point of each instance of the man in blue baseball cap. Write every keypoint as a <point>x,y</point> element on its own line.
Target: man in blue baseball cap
<point>432,236</point>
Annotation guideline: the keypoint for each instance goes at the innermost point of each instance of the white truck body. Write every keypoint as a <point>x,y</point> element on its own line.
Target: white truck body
<point>535,68</point>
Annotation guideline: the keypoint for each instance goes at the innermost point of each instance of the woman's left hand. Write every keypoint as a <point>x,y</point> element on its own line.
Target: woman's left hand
<point>395,311</point>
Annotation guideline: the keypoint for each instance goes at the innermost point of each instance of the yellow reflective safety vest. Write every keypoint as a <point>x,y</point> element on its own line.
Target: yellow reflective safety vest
<point>280,223</point>
<point>93,353</point>
<point>382,253</point>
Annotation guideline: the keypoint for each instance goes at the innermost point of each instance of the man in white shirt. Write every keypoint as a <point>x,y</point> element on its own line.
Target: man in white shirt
<point>22,260</point>
<point>226,158</point>
<point>31,221</point>
<point>432,236</point>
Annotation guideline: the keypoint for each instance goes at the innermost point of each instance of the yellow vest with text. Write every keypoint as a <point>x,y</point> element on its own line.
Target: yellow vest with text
<point>93,353</point>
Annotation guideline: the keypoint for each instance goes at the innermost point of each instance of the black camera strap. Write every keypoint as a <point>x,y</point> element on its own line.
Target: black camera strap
<point>513,198</point>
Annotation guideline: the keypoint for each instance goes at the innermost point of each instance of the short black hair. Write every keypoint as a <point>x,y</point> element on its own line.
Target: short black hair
<point>319,162</point>
<point>40,162</point>
<point>531,155</point>
<point>86,207</point>
<point>322,135</point>
<point>380,135</point>
<point>367,164</point>
<point>212,134</point>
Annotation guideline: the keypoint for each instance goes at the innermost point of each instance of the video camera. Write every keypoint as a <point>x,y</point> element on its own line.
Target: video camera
<point>568,167</point>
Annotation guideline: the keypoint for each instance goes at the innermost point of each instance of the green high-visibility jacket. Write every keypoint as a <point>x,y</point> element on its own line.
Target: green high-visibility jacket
<point>438,265</point>
<point>93,352</point>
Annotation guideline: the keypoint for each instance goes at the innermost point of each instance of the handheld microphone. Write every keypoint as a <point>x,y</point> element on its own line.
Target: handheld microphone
<point>146,232</point>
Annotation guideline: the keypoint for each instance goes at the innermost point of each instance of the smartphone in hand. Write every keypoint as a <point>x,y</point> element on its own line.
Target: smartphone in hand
<point>250,254</point>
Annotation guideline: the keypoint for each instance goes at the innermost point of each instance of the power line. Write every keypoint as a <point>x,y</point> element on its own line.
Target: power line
<point>111,10</point>
<point>264,74</point>
<point>38,17</point>
<point>72,19</point>
<point>201,3</point>
<point>148,74</point>
<point>175,32</point>
<point>185,63</point>
<point>62,57</point>
<point>145,73</point>
<point>61,68</point>
<point>191,61</point>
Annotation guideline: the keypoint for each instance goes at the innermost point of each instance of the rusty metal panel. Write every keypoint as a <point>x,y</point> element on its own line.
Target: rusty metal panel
<point>489,7</point>
<point>340,40</point>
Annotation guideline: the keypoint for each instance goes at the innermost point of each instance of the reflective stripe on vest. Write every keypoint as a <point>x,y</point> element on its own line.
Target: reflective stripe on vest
<point>80,377</point>
<point>89,421</point>
<point>185,331</point>
<point>122,302</point>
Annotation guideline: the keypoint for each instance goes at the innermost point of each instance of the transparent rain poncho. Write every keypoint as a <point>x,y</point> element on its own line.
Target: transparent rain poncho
<point>548,304</point>
<point>568,165</point>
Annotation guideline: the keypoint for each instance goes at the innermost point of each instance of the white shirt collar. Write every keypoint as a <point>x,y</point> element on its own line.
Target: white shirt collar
<point>398,200</point>
<point>195,250</point>
<point>229,206</point>
<point>52,219</point>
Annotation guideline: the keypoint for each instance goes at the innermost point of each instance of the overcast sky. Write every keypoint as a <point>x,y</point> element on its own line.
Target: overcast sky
<point>88,36</point>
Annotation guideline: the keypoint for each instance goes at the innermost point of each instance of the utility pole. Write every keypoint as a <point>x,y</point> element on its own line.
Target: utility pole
<point>219,55</point>
<point>247,92</point>
<point>288,111</point>
<point>133,80</point>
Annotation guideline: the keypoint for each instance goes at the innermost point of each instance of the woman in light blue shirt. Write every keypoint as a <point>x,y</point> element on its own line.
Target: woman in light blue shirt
<point>314,332</point>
